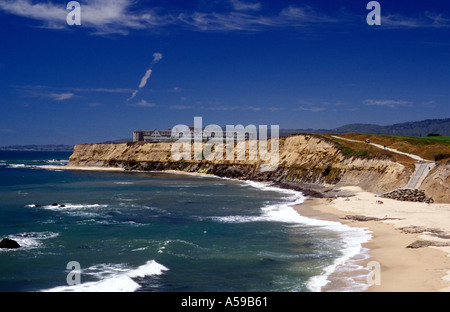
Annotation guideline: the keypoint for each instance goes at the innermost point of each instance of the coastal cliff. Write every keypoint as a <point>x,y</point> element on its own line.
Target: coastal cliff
<point>437,183</point>
<point>302,159</point>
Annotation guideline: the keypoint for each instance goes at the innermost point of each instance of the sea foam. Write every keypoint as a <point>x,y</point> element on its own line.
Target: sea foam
<point>113,278</point>
<point>352,237</point>
<point>30,240</point>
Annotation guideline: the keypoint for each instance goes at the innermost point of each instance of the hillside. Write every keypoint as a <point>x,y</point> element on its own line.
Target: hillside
<point>417,128</point>
<point>425,147</point>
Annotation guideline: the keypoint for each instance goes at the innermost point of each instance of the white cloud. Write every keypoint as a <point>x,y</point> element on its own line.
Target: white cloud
<point>157,57</point>
<point>311,109</point>
<point>121,16</point>
<point>60,96</point>
<point>387,103</point>
<point>133,95</point>
<point>144,103</point>
<point>41,11</point>
<point>145,78</point>
<point>104,16</point>
<point>293,15</point>
<point>36,88</point>
<point>316,105</point>
<point>244,6</point>
<point>227,21</point>
<point>225,108</point>
<point>103,90</point>
<point>424,20</point>
<point>182,107</point>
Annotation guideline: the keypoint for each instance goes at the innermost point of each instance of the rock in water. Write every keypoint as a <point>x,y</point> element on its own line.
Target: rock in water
<point>7,243</point>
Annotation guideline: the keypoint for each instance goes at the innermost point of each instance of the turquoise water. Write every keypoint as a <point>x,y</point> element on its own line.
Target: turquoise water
<point>134,231</point>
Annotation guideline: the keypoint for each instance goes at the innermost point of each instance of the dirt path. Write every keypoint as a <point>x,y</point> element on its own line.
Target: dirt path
<point>423,166</point>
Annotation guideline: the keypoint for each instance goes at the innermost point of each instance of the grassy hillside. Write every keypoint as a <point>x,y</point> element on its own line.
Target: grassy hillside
<point>425,147</point>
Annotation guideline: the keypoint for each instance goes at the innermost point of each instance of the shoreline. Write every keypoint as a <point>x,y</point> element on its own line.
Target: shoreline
<point>78,168</point>
<point>402,269</point>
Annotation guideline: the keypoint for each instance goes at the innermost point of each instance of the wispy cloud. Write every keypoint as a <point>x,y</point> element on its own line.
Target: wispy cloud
<point>245,6</point>
<point>144,103</point>
<point>225,108</point>
<point>156,58</point>
<point>60,96</point>
<point>121,16</point>
<point>316,105</point>
<point>145,78</point>
<point>103,16</point>
<point>47,94</point>
<point>387,103</point>
<point>312,109</point>
<point>63,93</point>
<point>423,20</point>
<point>101,90</point>
<point>37,88</point>
<point>7,131</point>
<point>292,16</point>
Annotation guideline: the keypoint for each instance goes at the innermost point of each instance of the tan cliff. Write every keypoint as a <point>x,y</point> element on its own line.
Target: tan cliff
<point>437,183</point>
<point>302,159</point>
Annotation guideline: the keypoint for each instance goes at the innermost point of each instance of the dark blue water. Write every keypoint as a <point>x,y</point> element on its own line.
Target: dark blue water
<point>157,232</point>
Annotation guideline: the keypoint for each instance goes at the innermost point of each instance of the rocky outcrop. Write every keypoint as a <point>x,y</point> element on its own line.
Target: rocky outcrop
<point>411,195</point>
<point>425,243</point>
<point>365,219</point>
<point>302,159</point>
<point>7,243</point>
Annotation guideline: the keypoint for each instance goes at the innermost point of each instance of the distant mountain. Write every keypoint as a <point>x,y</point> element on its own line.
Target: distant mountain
<point>49,147</point>
<point>119,141</point>
<point>416,128</point>
<point>37,148</point>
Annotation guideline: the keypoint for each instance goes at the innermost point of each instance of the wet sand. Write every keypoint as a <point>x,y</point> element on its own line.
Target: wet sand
<point>397,225</point>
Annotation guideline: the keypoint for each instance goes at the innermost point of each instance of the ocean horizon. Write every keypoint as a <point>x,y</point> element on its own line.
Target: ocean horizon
<point>164,232</point>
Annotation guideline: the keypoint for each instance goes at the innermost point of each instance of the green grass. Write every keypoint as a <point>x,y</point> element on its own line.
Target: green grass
<point>423,140</point>
<point>346,150</point>
<point>350,152</point>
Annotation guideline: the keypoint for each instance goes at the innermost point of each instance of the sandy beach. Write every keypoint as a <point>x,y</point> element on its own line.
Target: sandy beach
<point>396,225</point>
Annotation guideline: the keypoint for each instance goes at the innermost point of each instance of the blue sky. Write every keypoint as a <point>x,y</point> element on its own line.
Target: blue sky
<point>155,64</point>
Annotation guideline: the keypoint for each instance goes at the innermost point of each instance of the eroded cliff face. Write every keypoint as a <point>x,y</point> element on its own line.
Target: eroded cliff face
<point>302,158</point>
<point>437,183</point>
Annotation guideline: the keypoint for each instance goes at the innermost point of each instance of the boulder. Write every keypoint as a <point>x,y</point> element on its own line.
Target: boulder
<point>411,195</point>
<point>7,243</point>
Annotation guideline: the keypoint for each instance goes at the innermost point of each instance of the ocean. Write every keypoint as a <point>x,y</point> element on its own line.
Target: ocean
<point>162,232</point>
